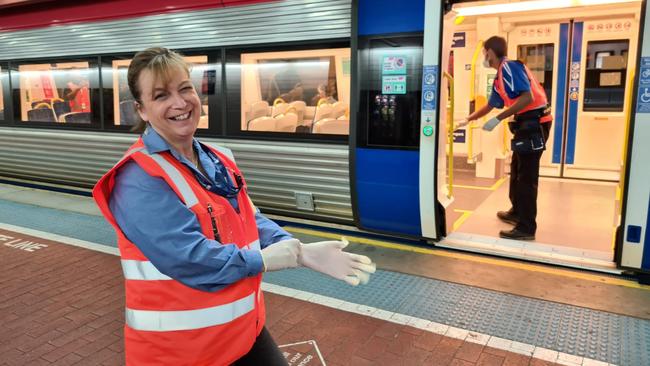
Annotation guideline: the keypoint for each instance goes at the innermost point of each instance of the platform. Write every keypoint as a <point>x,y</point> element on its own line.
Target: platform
<point>62,301</point>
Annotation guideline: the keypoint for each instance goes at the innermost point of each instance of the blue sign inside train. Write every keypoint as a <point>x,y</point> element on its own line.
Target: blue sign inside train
<point>459,40</point>
<point>643,95</point>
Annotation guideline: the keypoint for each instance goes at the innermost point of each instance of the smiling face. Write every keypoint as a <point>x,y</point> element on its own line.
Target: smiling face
<point>170,104</point>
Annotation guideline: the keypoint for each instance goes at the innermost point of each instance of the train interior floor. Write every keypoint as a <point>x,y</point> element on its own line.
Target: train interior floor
<point>575,219</point>
<point>61,302</point>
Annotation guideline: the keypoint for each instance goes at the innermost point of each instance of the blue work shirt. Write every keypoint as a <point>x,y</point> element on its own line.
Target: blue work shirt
<point>515,82</point>
<point>168,233</point>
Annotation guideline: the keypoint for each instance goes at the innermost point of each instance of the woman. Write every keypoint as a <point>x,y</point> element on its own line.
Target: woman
<point>192,244</point>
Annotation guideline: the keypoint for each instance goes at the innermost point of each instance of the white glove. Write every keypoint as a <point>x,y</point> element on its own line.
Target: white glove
<point>491,124</point>
<point>328,257</point>
<point>462,123</point>
<point>281,255</point>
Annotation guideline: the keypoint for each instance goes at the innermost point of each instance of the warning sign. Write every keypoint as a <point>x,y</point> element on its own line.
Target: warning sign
<point>302,354</point>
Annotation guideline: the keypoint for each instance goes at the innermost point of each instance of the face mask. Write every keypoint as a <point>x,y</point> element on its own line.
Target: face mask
<point>486,63</point>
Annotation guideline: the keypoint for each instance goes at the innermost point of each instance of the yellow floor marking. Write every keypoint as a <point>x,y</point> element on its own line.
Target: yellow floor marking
<point>498,183</point>
<point>493,187</point>
<point>473,187</point>
<point>478,259</point>
<point>465,215</point>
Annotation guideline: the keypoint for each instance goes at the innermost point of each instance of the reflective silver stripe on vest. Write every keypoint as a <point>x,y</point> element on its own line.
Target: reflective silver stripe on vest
<point>255,245</point>
<point>184,189</point>
<point>168,321</point>
<point>131,152</point>
<point>142,271</point>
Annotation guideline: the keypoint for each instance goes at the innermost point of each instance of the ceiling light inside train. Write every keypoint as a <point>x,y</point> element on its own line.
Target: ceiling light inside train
<point>522,6</point>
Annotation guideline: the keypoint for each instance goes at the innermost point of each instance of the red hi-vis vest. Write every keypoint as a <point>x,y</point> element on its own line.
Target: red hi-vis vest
<point>537,92</point>
<point>167,322</point>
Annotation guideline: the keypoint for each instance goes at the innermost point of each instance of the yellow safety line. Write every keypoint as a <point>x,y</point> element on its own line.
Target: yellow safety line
<point>498,183</point>
<point>465,215</point>
<point>493,187</point>
<point>477,259</point>
<point>473,187</point>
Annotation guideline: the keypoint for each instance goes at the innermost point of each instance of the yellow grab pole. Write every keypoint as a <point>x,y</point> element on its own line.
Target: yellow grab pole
<point>472,101</point>
<point>450,136</point>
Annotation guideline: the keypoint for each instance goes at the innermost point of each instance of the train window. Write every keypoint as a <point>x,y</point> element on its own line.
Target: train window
<point>296,92</point>
<point>539,59</point>
<point>57,92</point>
<point>2,104</point>
<point>605,75</point>
<point>202,74</point>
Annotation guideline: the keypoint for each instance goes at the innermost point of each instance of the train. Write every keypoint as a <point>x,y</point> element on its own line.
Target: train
<point>343,114</point>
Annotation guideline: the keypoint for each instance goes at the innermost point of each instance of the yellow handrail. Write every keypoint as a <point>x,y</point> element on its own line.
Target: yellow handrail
<point>41,105</point>
<point>321,101</point>
<point>450,136</point>
<point>472,102</point>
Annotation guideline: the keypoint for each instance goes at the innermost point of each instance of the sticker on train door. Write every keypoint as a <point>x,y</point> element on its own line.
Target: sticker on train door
<point>643,98</point>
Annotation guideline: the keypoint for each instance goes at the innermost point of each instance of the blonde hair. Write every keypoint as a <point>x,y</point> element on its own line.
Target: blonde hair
<point>161,62</point>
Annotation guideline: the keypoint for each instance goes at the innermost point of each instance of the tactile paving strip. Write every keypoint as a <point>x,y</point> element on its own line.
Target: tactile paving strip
<point>570,329</point>
<point>75,225</point>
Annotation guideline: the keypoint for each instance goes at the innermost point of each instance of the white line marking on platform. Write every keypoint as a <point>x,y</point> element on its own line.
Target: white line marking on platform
<point>433,327</point>
<point>61,239</point>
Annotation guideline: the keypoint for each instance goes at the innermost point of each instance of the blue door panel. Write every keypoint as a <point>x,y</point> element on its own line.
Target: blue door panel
<point>387,190</point>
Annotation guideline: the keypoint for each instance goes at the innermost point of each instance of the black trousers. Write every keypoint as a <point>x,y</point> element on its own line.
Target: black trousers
<point>265,352</point>
<point>524,178</point>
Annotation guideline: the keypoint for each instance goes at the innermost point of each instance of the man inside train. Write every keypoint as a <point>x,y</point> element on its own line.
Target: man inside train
<point>517,90</point>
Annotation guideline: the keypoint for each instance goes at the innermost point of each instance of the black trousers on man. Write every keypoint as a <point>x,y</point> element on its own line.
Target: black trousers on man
<point>524,178</point>
<point>264,352</point>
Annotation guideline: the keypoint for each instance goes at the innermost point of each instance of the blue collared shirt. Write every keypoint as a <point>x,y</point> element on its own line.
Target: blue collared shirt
<point>515,80</point>
<point>168,233</point>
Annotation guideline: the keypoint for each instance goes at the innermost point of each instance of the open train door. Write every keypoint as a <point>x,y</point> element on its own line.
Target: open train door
<point>394,133</point>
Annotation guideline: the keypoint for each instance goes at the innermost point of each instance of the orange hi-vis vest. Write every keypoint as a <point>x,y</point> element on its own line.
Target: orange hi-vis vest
<point>537,91</point>
<point>167,322</point>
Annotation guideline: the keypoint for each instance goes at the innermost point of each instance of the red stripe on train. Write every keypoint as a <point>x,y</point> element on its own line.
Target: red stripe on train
<point>20,15</point>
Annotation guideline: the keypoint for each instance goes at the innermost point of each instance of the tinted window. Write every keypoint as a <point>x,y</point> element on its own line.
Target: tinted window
<point>57,92</point>
<point>606,75</point>
<point>298,92</point>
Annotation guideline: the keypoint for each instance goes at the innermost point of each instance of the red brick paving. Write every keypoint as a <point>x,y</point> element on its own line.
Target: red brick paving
<point>63,305</point>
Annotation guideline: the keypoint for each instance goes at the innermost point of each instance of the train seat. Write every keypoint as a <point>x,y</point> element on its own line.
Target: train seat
<point>338,109</point>
<point>77,117</point>
<point>41,114</point>
<point>262,124</point>
<point>258,109</point>
<point>323,111</point>
<point>332,126</point>
<point>61,107</point>
<point>300,107</point>
<point>279,109</point>
<point>286,123</point>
